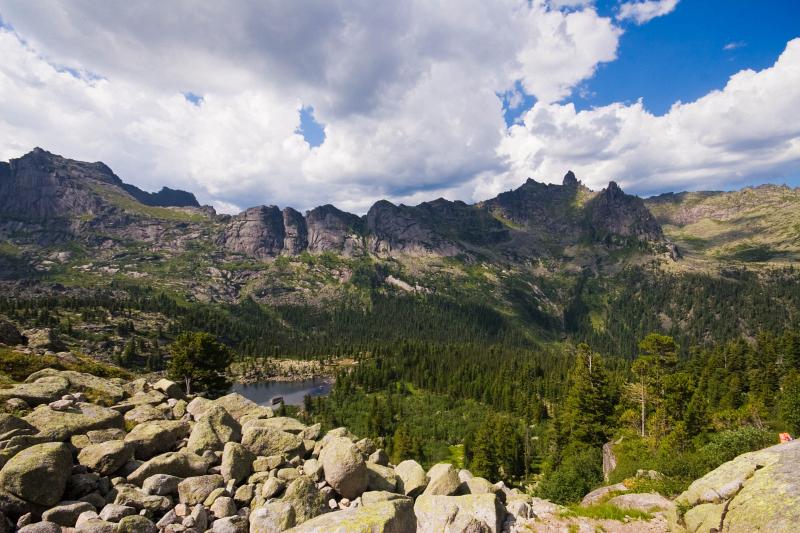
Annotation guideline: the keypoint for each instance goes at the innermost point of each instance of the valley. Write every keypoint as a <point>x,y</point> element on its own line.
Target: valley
<point>506,337</point>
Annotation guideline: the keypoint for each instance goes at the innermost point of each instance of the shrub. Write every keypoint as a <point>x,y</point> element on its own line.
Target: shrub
<point>578,473</point>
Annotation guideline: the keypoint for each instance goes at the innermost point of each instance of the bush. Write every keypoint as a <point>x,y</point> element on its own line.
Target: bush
<point>579,472</point>
<point>726,445</point>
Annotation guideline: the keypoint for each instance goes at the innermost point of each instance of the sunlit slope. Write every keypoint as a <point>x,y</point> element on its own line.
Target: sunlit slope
<point>756,224</point>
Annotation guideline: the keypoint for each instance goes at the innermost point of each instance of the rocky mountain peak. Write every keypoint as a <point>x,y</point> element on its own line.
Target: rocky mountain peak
<point>613,212</point>
<point>570,180</point>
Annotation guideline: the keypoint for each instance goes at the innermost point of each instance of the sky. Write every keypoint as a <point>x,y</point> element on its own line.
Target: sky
<point>349,101</point>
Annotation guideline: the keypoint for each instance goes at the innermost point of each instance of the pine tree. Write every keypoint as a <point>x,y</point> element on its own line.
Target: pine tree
<point>587,406</point>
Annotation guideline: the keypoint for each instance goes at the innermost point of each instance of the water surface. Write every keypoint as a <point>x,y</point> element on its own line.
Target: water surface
<point>292,392</point>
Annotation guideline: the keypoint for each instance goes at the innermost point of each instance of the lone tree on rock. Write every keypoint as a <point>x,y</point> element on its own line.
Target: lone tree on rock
<point>200,362</point>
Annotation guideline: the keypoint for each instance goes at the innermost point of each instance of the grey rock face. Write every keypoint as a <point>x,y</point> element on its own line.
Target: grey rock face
<point>295,231</point>
<point>612,212</point>
<point>258,232</point>
<point>330,229</point>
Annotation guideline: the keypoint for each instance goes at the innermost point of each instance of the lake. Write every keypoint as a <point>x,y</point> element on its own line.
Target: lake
<point>293,392</point>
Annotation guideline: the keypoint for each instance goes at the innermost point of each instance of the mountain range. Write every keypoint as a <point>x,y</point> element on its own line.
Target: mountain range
<point>71,199</point>
<point>542,260</point>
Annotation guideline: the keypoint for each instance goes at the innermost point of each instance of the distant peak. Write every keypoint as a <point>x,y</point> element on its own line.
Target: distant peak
<point>570,180</point>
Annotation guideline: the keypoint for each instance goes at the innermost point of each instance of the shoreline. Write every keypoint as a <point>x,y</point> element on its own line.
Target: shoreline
<point>287,371</point>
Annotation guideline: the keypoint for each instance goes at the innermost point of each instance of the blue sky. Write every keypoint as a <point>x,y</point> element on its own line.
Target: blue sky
<point>682,56</point>
<point>307,103</point>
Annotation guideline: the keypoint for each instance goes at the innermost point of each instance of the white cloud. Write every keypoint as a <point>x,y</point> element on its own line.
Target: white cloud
<point>734,45</point>
<point>749,130</point>
<point>641,11</point>
<point>407,91</point>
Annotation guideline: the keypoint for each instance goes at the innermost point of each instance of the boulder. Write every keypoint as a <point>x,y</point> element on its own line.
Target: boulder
<point>758,489</point>
<point>262,464</point>
<point>11,426</point>
<point>107,457</point>
<point>704,517</point>
<point>411,478</point>
<point>238,406</point>
<point>379,457</point>
<point>272,517</point>
<point>244,494</point>
<point>97,436</point>
<point>146,413</point>
<point>115,513</point>
<point>313,469</point>
<point>283,423</point>
<point>61,425</point>
<point>237,462</point>
<point>44,339</point>
<point>43,391</point>
<point>443,480</point>
<point>214,428</point>
<point>130,496</point>
<point>198,406</point>
<point>157,437</point>
<point>305,498</point>
<point>66,513</point>
<point>269,441</point>
<point>170,388</point>
<point>393,516</point>
<point>479,485</point>
<point>38,474</point>
<point>41,527</point>
<point>223,506</point>
<point>231,524</point>
<point>381,478</point>
<point>312,432</point>
<point>647,502</point>
<point>194,490</point>
<point>9,334</point>
<point>344,466</point>
<point>97,389</point>
<point>80,485</point>
<point>149,397</point>
<point>180,464</point>
<point>471,512</point>
<point>161,484</point>
<point>271,487</point>
<point>599,494</point>
<point>136,524</point>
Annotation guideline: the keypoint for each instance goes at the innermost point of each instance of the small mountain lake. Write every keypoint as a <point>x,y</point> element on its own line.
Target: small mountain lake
<point>292,392</point>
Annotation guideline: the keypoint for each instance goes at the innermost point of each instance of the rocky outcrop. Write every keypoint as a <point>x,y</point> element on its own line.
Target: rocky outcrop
<point>41,185</point>
<point>279,473</point>
<point>333,230</point>
<point>613,213</point>
<point>295,232</point>
<point>400,229</point>
<point>757,491</point>
<point>9,334</point>
<point>258,232</point>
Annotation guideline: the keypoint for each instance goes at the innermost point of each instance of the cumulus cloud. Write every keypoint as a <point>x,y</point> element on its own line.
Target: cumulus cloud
<point>641,11</point>
<point>748,130</point>
<point>407,91</point>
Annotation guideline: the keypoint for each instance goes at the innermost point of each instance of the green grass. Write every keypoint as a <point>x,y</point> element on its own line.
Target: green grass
<point>457,457</point>
<point>132,206</point>
<point>10,249</point>
<point>605,511</point>
<point>17,366</point>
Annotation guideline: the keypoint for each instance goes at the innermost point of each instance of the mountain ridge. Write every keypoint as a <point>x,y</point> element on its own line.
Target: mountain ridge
<point>532,220</point>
